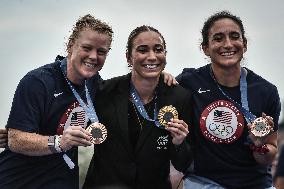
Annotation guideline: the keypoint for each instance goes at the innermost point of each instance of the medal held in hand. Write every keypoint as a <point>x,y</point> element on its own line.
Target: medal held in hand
<point>166,113</point>
<point>98,131</point>
<point>260,127</point>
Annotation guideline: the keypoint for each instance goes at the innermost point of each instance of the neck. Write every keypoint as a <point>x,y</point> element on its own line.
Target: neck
<point>145,88</point>
<point>72,75</point>
<point>229,77</point>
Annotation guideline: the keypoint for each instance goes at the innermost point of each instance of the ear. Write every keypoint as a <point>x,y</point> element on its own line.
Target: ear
<point>128,58</point>
<point>205,50</point>
<point>245,46</point>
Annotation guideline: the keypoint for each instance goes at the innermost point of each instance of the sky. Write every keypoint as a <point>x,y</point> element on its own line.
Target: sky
<point>33,32</point>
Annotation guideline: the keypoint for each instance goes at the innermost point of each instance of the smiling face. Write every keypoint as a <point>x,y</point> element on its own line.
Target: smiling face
<point>87,55</point>
<point>148,55</point>
<point>225,44</point>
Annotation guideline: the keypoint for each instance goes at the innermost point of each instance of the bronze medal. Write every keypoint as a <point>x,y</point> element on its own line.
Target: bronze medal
<point>260,127</point>
<point>166,114</point>
<point>98,131</point>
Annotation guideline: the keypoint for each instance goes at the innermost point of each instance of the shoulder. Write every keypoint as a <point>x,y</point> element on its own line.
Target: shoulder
<point>262,85</point>
<point>40,78</point>
<point>187,72</point>
<point>45,72</point>
<point>261,91</point>
<point>178,90</point>
<point>119,83</point>
<point>173,93</point>
<point>190,76</point>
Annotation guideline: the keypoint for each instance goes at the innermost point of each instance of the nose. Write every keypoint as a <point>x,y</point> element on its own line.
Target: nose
<point>152,55</point>
<point>93,55</point>
<point>228,43</point>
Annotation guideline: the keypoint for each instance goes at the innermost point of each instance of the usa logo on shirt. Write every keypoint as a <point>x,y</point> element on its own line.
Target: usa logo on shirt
<point>74,116</point>
<point>221,122</point>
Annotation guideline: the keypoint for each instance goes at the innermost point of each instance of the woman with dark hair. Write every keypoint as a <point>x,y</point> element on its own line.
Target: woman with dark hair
<point>236,112</point>
<point>147,121</point>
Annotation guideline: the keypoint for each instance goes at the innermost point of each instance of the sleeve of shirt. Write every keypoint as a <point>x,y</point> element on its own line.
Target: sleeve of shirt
<point>182,155</point>
<point>28,105</point>
<point>179,78</point>
<point>184,76</point>
<point>274,107</point>
<point>280,165</point>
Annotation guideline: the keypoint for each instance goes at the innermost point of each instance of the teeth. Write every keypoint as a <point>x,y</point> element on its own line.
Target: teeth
<point>89,65</point>
<point>151,66</point>
<point>227,53</point>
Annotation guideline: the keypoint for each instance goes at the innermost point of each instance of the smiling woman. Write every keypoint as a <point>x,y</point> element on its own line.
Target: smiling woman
<point>225,45</point>
<point>48,116</point>
<point>87,49</point>
<point>228,99</point>
<point>87,56</point>
<point>147,56</point>
<point>140,147</point>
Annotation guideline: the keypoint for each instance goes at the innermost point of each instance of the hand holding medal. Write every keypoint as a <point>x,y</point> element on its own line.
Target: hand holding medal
<point>168,117</point>
<point>167,113</point>
<point>98,132</point>
<point>74,136</point>
<point>260,129</point>
<point>262,126</point>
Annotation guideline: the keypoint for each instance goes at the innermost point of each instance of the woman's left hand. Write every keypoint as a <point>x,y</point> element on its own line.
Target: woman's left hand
<point>169,79</point>
<point>178,129</point>
<point>259,141</point>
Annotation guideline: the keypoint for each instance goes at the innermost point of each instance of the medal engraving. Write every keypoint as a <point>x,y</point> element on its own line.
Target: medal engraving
<point>166,114</point>
<point>98,131</point>
<point>260,127</point>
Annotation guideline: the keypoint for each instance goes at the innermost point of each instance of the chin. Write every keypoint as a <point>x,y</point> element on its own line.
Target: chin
<point>152,75</point>
<point>88,75</point>
<point>228,64</point>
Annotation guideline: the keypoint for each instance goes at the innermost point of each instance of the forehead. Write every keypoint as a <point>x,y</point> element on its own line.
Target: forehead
<point>224,25</point>
<point>148,38</point>
<point>89,35</point>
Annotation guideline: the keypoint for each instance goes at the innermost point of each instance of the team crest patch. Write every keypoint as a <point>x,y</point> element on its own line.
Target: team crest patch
<point>162,142</point>
<point>221,122</point>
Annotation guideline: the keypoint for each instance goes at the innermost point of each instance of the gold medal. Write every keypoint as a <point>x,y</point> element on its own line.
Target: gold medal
<point>166,114</point>
<point>260,127</point>
<point>98,131</point>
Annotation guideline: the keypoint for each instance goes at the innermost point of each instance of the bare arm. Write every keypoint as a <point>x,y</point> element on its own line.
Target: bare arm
<point>279,182</point>
<point>33,144</point>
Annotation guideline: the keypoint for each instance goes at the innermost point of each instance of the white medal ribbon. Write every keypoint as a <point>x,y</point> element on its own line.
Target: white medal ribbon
<point>68,161</point>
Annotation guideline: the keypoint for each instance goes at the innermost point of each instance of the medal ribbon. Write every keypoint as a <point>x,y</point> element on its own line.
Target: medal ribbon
<point>89,107</point>
<point>250,117</point>
<point>243,88</point>
<point>140,107</point>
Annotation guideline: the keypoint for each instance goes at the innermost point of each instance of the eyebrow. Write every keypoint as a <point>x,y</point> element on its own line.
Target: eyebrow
<point>220,33</point>
<point>142,46</point>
